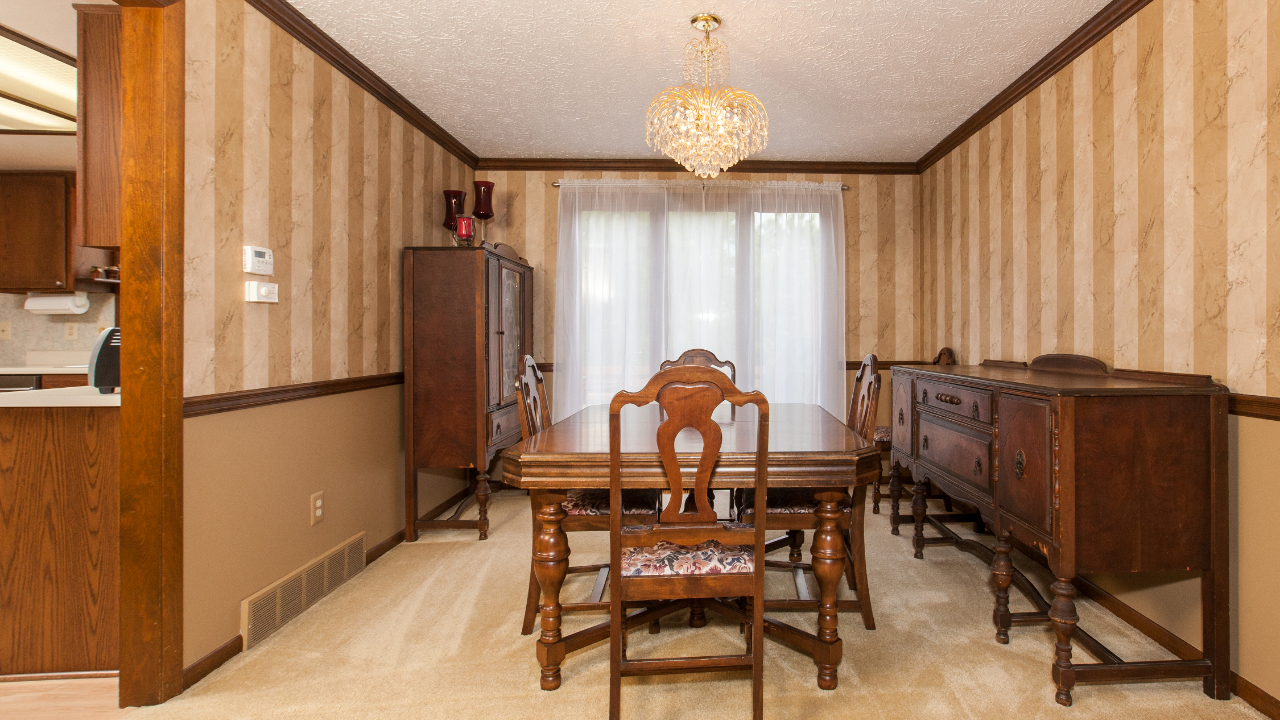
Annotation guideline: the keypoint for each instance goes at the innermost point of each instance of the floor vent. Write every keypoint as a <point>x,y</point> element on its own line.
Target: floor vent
<point>270,608</point>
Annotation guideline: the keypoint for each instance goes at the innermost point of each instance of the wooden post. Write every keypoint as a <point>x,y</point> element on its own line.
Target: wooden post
<point>151,298</point>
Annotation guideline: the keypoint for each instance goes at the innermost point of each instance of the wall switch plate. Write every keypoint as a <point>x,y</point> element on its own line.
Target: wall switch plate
<point>317,507</point>
<point>70,331</point>
<point>5,332</point>
<point>263,292</point>
<point>258,260</point>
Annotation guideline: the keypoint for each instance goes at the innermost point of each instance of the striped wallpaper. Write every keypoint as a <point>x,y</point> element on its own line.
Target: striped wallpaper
<point>881,239</point>
<point>1128,208</point>
<point>285,152</point>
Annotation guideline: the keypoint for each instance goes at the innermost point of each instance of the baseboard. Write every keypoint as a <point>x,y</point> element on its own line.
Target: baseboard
<point>74,675</point>
<point>452,500</point>
<point>1258,698</point>
<point>201,668</point>
<point>381,548</point>
<point>1255,696</point>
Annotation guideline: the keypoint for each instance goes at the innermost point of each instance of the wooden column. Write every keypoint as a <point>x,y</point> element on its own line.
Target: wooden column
<point>152,67</point>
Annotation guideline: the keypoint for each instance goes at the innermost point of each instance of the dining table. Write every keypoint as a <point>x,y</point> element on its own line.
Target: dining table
<point>808,448</point>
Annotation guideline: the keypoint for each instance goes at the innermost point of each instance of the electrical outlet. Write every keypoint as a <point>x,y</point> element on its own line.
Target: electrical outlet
<point>317,507</point>
<point>5,332</point>
<point>70,331</point>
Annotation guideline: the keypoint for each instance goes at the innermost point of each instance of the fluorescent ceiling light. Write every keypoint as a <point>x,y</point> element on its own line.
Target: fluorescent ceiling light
<point>17,116</point>
<point>37,78</point>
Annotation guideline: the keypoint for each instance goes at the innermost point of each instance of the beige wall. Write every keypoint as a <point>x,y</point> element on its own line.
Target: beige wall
<point>284,151</point>
<point>1128,209</point>
<point>249,476</point>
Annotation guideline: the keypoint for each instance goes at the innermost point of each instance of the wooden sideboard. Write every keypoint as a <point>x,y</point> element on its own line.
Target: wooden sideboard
<point>1099,470</point>
<point>468,323</point>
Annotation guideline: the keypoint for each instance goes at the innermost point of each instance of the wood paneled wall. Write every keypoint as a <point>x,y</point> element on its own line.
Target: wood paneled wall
<point>284,151</point>
<point>1128,208</point>
<point>882,249</point>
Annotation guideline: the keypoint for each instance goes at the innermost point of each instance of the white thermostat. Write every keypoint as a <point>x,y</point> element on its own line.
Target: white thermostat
<point>258,260</point>
<point>255,291</point>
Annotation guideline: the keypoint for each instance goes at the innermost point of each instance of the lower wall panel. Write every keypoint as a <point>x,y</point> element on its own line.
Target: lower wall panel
<point>249,476</point>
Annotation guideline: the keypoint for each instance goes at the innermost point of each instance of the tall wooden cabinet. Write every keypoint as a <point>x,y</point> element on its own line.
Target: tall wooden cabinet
<point>468,322</point>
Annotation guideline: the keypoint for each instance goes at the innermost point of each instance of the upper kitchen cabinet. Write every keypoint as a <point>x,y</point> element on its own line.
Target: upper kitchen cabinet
<point>35,252</point>
<point>100,112</point>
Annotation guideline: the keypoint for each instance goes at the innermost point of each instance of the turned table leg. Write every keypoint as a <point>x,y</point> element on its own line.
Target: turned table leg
<point>919,505</point>
<point>482,497</point>
<point>1063,614</point>
<point>895,496</point>
<point>828,565</point>
<point>1002,568</point>
<point>550,564</point>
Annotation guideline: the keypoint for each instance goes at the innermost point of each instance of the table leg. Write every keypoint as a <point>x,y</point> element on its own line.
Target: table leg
<point>919,506</point>
<point>895,496</point>
<point>550,564</point>
<point>1063,615</point>
<point>828,565</point>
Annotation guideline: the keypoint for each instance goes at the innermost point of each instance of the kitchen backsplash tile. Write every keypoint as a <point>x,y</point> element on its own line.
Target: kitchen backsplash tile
<point>48,333</point>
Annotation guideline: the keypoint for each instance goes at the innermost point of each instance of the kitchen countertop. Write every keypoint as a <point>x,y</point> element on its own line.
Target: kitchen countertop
<point>59,397</point>
<point>45,370</point>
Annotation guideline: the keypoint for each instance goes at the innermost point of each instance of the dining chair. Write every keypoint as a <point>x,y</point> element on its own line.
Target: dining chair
<point>585,510</point>
<point>792,509</point>
<point>685,554</point>
<point>705,358</point>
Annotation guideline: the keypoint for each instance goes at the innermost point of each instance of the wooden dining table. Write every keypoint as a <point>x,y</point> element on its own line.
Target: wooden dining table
<point>807,448</point>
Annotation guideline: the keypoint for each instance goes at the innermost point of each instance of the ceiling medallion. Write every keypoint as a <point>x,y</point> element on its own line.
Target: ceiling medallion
<point>706,125</point>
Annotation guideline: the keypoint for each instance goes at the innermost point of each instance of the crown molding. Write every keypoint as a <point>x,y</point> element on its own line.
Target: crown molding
<point>666,165</point>
<point>27,41</point>
<point>1097,27</point>
<point>309,34</point>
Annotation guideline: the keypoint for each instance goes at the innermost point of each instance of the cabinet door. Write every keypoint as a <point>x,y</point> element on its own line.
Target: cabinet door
<point>900,421</point>
<point>493,330</point>
<point>33,232</point>
<point>1025,487</point>
<point>511,340</point>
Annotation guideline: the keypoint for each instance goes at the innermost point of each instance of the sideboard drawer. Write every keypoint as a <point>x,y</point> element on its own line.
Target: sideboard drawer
<point>963,453</point>
<point>966,402</point>
<point>503,422</point>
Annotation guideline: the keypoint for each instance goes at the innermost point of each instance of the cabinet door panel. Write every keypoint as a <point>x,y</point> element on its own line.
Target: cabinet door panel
<point>33,232</point>
<point>493,328</point>
<point>1025,488</point>
<point>511,336</point>
<point>900,419</point>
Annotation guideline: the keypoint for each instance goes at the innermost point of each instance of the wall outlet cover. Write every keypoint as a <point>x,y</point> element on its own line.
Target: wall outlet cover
<point>70,331</point>
<point>317,507</point>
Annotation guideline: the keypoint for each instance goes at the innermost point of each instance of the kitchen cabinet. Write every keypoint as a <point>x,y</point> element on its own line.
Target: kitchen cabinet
<point>38,251</point>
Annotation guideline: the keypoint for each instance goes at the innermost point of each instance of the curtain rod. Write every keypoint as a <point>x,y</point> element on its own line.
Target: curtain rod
<point>556,184</point>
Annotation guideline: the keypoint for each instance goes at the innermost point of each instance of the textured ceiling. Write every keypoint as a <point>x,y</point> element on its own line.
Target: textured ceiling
<point>52,22</point>
<point>878,80</point>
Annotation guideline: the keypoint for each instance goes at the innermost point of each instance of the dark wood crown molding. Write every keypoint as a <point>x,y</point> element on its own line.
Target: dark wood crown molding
<point>666,165</point>
<point>1108,19</point>
<point>6,131</point>
<point>309,34</point>
<point>29,42</point>
<point>244,399</point>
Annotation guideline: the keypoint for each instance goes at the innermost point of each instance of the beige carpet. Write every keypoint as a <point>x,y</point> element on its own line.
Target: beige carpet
<point>432,630</point>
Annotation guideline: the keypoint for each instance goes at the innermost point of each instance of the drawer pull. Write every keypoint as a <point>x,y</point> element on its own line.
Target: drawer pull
<point>900,416</point>
<point>975,411</point>
<point>948,399</point>
<point>1019,465</point>
<point>977,466</point>
<point>925,441</point>
<point>497,430</point>
<point>924,397</point>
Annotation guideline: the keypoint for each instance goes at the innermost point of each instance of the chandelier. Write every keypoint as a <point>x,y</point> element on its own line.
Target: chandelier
<point>706,125</point>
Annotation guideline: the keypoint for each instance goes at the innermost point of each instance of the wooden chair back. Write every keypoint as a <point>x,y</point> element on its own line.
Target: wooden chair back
<point>535,411</point>
<point>946,356</point>
<point>866,398</point>
<point>688,395</point>
<point>705,358</point>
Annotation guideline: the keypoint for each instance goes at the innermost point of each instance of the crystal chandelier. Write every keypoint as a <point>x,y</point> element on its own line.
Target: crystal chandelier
<point>706,125</point>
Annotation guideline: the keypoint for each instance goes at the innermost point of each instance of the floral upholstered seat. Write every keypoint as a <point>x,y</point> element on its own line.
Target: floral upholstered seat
<point>708,558</point>
<point>595,501</point>
<point>781,501</point>
<point>884,433</point>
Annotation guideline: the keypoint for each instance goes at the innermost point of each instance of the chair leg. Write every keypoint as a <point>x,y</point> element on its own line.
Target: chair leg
<point>857,549</point>
<point>697,614</point>
<point>757,656</point>
<point>875,497</point>
<point>535,590</point>
<point>617,648</point>
<point>797,545</point>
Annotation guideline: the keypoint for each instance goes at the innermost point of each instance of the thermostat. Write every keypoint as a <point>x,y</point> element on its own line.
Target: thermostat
<point>265,292</point>
<point>258,260</point>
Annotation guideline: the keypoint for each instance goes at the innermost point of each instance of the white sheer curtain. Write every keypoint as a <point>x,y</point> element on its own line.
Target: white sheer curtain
<point>753,272</point>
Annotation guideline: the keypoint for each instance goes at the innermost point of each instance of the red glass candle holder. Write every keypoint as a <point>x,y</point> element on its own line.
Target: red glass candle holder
<point>466,229</point>
<point>484,200</point>
<point>453,207</point>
